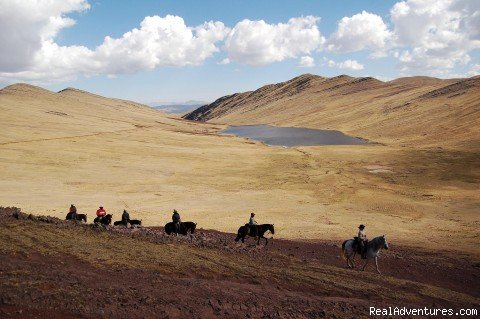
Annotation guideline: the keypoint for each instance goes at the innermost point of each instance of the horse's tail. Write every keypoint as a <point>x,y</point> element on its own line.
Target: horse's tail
<point>343,249</point>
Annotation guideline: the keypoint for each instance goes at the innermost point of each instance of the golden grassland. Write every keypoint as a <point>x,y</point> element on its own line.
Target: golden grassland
<point>75,147</point>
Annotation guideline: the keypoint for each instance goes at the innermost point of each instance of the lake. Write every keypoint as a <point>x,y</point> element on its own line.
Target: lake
<point>292,136</point>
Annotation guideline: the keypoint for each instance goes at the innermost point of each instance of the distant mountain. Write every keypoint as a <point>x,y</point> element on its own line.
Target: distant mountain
<point>178,108</point>
<point>420,110</point>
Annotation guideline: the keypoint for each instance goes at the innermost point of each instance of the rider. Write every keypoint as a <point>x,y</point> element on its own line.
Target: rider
<point>252,224</point>
<point>72,213</point>
<point>101,213</point>
<point>362,240</point>
<point>125,217</point>
<point>176,221</point>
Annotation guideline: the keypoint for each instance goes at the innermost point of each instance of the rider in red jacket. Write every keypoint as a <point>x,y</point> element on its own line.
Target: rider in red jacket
<point>101,212</point>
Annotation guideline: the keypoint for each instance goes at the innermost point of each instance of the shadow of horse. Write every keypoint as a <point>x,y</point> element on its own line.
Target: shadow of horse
<point>185,228</point>
<point>243,231</point>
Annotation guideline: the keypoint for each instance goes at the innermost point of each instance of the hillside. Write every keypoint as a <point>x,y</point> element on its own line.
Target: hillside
<point>30,112</point>
<point>58,269</point>
<point>415,111</point>
<point>76,147</point>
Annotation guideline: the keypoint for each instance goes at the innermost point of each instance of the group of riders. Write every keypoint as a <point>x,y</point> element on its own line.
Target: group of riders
<point>252,226</point>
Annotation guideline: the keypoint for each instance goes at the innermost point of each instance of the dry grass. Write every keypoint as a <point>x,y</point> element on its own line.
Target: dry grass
<point>121,155</point>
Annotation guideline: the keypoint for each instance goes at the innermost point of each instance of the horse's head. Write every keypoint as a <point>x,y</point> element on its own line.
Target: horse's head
<point>271,229</point>
<point>192,229</point>
<point>384,241</point>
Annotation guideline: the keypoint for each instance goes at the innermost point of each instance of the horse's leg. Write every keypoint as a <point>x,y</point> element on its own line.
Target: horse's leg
<point>353,260</point>
<point>376,264</point>
<point>347,258</point>
<point>366,263</point>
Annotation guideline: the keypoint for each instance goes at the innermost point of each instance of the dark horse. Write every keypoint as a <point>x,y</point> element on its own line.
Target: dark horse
<point>132,222</point>
<point>243,231</point>
<point>80,217</point>
<point>106,220</point>
<point>185,227</point>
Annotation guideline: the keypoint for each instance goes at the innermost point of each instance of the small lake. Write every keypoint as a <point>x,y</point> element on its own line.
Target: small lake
<point>292,136</point>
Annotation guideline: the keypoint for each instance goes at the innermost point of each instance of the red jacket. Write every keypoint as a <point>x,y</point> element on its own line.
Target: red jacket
<point>101,212</point>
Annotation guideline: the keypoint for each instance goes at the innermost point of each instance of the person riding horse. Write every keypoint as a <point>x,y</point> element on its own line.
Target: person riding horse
<point>362,240</point>
<point>176,221</point>
<point>72,213</point>
<point>252,225</point>
<point>125,217</point>
<point>101,213</point>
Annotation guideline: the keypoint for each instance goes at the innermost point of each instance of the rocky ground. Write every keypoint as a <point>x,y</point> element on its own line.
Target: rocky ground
<point>59,269</point>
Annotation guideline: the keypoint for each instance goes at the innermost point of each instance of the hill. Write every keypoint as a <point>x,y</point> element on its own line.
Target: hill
<point>58,269</point>
<point>59,148</point>
<point>415,111</point>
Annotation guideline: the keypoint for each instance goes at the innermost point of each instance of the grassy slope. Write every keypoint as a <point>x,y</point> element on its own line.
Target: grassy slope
<point>139,251</point>
<point>74,147</point>
<point>416,111</point>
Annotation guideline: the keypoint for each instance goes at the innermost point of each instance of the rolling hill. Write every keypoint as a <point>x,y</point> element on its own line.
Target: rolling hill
<point>414,111</point>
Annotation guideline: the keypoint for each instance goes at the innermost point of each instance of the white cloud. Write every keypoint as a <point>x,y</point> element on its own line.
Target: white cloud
<point>362,31</point>
<point>436,36</point>
<point>347,64</point>
<point>26,24</point>
<point>160,41</point>
<point>306,62</point>
<point>29,29</point>
<point>224,61</point>
<point>258,43</point>
<point>475,70</point>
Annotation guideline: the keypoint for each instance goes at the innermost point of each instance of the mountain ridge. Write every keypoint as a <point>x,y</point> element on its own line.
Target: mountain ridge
<point>411,110</point>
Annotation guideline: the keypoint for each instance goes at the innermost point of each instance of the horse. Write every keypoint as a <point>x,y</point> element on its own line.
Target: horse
<point>137,222</point>
<point>243,231</point>
<point>119,222</point>
<point>372,250</point>
<point>106,220</point>
<point>185,227</point>
<point>132,222</point>
<point>80,217</point>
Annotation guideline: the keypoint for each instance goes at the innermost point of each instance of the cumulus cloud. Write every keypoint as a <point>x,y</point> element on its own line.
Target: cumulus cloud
<point>435,35</point>
<point>425,36</point>
<point>31,53</point>
<point>306,62</point>
<point>258,43</point>
<point>26,24</point>
<point>362,31</point>
<point>347,64</point>
<point>224,61</point>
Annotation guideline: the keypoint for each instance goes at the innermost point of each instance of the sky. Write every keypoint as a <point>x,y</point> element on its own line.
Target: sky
<point>165,51</point>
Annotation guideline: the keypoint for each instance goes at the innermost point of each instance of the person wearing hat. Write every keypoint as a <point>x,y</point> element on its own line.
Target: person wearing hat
<point>101,212</point>
<point>362,240</point>
<point>252,224</point>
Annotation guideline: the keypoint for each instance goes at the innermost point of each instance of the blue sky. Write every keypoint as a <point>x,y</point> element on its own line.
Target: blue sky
<point>172,55</point>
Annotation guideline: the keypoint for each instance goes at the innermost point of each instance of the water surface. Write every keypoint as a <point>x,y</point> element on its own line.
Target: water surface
<point>292,136</point>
